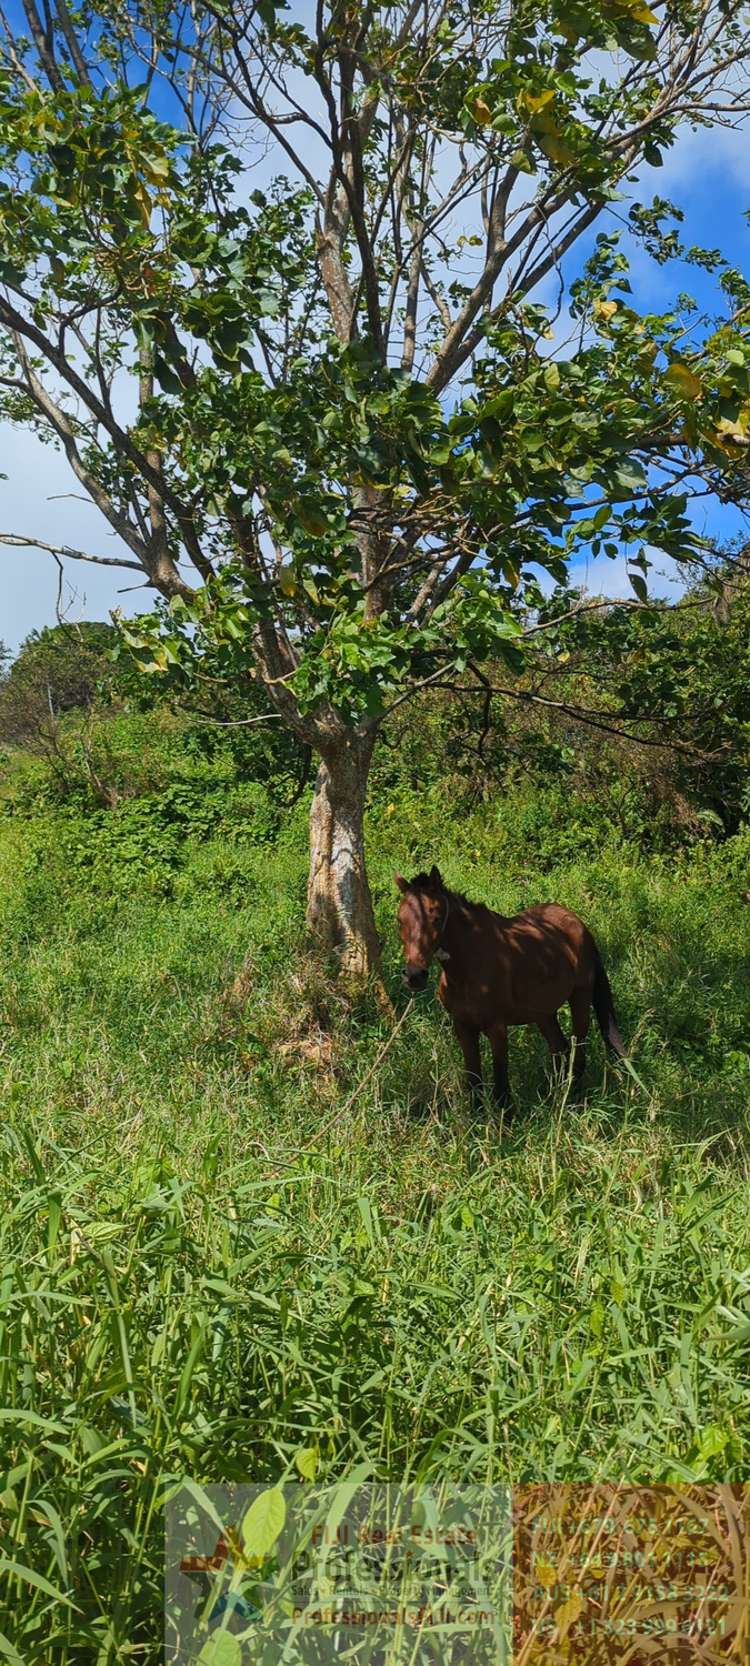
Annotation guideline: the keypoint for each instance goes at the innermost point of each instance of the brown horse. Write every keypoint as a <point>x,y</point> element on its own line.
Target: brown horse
<point>497,971</point>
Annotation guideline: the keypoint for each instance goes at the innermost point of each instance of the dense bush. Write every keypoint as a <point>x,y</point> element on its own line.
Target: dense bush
<point>640,723</point>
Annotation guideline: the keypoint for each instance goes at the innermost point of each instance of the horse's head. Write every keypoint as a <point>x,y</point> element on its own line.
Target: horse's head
<point>422,914</point>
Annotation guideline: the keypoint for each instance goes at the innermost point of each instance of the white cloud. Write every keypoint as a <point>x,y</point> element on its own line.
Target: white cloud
<point>604,577</point>
<point>700,153</point>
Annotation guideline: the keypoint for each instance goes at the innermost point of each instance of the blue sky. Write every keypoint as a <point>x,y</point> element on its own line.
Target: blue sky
<point>707,174</point>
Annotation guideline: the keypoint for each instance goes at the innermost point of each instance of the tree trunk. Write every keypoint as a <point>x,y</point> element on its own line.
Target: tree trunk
<point>339,905</point>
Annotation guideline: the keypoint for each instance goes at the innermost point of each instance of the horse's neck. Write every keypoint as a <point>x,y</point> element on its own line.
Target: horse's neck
<point>462,915</point>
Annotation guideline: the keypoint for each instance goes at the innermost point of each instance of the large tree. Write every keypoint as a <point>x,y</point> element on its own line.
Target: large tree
<point>273,278</point>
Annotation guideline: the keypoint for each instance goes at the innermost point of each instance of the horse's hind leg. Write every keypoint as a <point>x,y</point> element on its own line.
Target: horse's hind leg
<point>553,1035</point>
<point>580,1010</point>
<point>558,1046</point>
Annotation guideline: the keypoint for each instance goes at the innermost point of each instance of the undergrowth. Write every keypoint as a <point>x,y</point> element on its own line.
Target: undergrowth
<point>215,1251</point>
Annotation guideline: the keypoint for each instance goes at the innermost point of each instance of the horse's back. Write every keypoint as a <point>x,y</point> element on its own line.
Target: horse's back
<point>552,916</point>
<point>550,952</point>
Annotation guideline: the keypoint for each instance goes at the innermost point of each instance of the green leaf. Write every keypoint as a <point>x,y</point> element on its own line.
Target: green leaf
<point>58,1534</point>
<point>307,1462</point>
<point>221,1650</point>
<point>712,1441</point>
<point>267,10</point>
<point>29,1576</point>
<point>9,1651</point>
<point>263,1522</point>
<point>522,161</point>
<point>631,475</point>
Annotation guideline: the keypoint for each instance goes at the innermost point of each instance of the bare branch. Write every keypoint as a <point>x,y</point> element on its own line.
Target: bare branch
<point>65,551</point>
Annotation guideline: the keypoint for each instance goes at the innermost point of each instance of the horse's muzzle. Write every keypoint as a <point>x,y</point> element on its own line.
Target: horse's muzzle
<point>415,979</point>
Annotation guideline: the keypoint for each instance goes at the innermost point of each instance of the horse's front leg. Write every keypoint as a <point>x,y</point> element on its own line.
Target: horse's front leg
<point>468,1040</point>
<point>499,1043</point>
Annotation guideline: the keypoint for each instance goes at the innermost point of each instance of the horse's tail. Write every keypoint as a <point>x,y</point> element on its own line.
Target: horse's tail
<point>604,1007</point>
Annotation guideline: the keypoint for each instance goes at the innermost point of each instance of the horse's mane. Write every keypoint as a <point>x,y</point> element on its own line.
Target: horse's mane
<point>423,882</point>
<point>468,902</point>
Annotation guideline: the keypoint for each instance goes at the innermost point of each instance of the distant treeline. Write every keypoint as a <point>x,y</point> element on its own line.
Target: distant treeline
<point>644,710</point>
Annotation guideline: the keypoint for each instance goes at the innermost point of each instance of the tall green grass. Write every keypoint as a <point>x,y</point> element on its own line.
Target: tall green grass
<point>207,1262</point>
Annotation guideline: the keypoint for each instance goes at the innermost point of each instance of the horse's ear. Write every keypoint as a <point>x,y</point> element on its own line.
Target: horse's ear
<point>403,884</point>
<point>436,877</point>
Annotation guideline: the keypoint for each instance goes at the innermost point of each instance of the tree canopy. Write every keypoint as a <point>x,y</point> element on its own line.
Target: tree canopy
<point>274,283</point>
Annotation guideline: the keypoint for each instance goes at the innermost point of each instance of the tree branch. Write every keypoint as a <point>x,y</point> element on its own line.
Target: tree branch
<point>65,550</point>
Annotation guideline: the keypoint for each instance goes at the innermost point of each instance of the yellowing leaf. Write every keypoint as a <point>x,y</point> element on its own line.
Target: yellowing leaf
<point>537,101</point>
<point>568,1612</point>
<point>605,309</point>
<point>736,431</point>
<point>155,168</point>
<point>638,10</point>
<point>480,110</point>
<point>681,377</point>
<point>545,1573</point>
<point>556,149</point>
<point>144,202</point>
<point>287,579</point>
